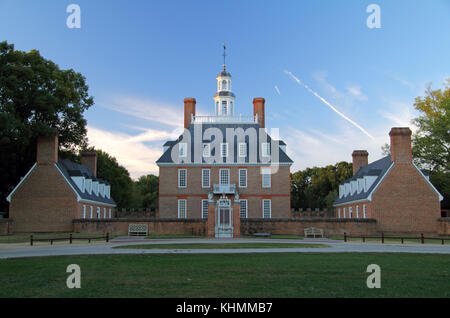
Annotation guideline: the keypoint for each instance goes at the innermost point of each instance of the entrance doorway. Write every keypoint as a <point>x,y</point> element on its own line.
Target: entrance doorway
<point>224,219</point>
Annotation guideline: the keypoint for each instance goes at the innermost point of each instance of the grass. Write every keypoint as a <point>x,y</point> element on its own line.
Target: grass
<point>277,236</point>
<point>25,237</point>
<point>222,246</point>
<point>228,275</point>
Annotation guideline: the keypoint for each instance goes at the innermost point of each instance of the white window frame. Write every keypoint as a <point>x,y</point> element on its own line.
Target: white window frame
<point>350,212</point>
<point>92,211</point>
<point>84,211</point>
<point>179,178</point>
<point>265,149</point>
<point>182,203</point>
<point>344,213</point>
<point>357,211</point>
<point>266,172</point>
<point>206,185</point>
<point>104,213</point>
<point>245,203</point>
<point>263,208</point>
<point>364,211</point>
<point>206,150</point>
<point>99,212</point>
<point>245,184</point>
<point>109,213</point>
<point>220,175</point>
<point>205,205</point>
<point>242,150</point>
<point>182,150</point>
<point>224,154</point>
<point>339,213</point>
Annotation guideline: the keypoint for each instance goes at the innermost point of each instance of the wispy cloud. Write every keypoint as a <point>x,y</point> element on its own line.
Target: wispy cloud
<point>154,111</point>
<point>328,104</point>
<point>277,89</point>
<point>130,151</point>
<point>355,91</point>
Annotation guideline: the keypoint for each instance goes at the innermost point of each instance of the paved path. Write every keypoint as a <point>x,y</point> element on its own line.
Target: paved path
<point>23,250</point>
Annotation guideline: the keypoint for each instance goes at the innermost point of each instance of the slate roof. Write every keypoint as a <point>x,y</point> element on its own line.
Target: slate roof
<point>166,157</point>
<point>72,169</point>
<point>377,168</point>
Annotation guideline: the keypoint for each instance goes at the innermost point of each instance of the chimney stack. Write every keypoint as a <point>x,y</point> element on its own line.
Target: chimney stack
<point>189,110</point>
<point>47,149</point>
<point>89,160</point>
<point>401,145</point>
<point>360,159</point>
<point>258,109</point>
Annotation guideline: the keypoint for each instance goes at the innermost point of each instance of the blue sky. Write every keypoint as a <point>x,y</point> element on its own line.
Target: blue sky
<point>142,58</point>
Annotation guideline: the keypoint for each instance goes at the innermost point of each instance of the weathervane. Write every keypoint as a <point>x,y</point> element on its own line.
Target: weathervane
<point>224,54</point>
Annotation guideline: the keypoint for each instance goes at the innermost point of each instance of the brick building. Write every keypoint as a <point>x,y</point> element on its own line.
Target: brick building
<point>56,191</point>
<point>391,190</point>
<point>224,167</point>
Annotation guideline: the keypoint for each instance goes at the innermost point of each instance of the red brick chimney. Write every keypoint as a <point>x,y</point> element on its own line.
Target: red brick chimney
<point>360,159</point>
<point>89,159</point>
<point>258,109</point>
<point>189,110</point>
<point>401,145</point>
<point>47,150</point>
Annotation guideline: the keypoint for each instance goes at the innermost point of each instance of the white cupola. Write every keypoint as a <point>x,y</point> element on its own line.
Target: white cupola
<point>224,97</point>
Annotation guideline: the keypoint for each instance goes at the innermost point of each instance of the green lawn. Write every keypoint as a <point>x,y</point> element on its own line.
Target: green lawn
<point>393,240</point>
<point>222,245</point>
<point>228,275</point>
<point>25,237</point>
<point>172,236</point>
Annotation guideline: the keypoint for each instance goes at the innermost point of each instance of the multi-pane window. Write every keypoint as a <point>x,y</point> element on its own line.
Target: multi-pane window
<point>224,108</point>
<point>98,212</point>
<point>84,211</point>
<point>357,211</point>
<point>182,209</point>
<point>242,150</point>
<point>242,178</point>
<point>339,213</point>
<point>182,178</point>
<point>205,209</point>
<point>350,212</point>
<point>344,213</point>
<point>267,208</point>
<point>206,178</point>
<point>243,208</point>
<point>266,177</point>
<point>224,150</point>
<point>364,211</point>
<point>104,213</point>
<point>206,150</point>
<point>224,176</point>
<point>182,149</point>
<point>265,149</point>
<point>92,211</point>
<point>109,212</point>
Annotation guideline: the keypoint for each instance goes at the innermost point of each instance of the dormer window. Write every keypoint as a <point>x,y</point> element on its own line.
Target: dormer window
<point>224,150</point>
<point>182,150</point>
<point>206,150</point>
<point>265,149</point>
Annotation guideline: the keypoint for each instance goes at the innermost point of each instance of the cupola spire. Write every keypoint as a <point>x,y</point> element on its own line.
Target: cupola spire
<point>224,97</point>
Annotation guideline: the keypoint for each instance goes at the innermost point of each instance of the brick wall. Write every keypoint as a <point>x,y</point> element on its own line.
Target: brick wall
<point>6,226</point>
<point>444,226</point>
<point>247,226</point>
<point>157,226</point>
<point>405,202</point>
<point>169,193</point>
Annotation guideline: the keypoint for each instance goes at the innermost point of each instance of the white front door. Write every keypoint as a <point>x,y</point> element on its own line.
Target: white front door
<point>224,219</point>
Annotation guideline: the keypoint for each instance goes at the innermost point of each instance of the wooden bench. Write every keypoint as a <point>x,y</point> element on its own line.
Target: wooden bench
<point>137,229</point>
<point>313,231</point>
<point>261,234</point>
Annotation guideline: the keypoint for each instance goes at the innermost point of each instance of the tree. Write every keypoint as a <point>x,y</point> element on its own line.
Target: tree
<point>147,189</point>
<point>118,177</point>
<point>431,142</point>
<point>36,97</point>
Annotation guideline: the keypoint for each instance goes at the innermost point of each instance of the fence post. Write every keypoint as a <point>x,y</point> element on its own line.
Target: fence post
<point>364,239</point>
<point>70,238</point>
<point>402,240</point>
<point>442,241</point>
<point>382,238</point>
<point>107,237</point>
<point>422,239</point>
<point>31,240</point>
<point>345,237</point>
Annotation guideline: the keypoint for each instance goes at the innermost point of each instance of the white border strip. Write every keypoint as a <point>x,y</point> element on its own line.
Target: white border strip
<point>8,198</point>
<point>429,182</point>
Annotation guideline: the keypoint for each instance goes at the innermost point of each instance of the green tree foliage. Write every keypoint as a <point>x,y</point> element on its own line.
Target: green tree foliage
<point>118,177</point>
<point>36,97</point>
<point>318,187</point>
<point>146,190</point>
<point>431,142</point>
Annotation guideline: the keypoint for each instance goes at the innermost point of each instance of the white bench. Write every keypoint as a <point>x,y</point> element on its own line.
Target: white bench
<point>137,229</point>
<point>313,231</point>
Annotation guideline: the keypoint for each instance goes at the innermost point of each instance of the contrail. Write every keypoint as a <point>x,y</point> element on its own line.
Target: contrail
<point>278,91</point>
<point>328,104</point>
